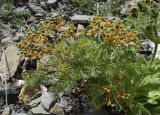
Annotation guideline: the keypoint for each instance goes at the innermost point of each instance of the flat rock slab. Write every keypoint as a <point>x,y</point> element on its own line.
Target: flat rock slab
<point>81,18</point>
<point>36,9</point>
<point>5,31</point>
<point>13,60</point>
<point>39,110</point>
<point>85,18</point>
<point>47,100</point>
<point>53,3</point>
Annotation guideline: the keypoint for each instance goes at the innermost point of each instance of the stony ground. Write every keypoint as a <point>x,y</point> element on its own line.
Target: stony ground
<point>36,101</point>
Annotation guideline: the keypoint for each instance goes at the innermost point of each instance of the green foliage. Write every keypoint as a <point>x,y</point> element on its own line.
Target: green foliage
<point>104,57</point>
<point>115,6</point>
<point>147,21</point>
<point>83,6</point>
<point>34,78</point>
<point>114,77</point>
<point>8,14</point>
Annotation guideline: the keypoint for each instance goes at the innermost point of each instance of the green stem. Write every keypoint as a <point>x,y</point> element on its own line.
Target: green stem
<point>155,51</point>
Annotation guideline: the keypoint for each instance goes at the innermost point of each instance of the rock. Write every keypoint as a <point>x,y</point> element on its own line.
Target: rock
<point>47,100</point>
<point>2,101</point>
<point>158,34</point>
<point>31,19</point>
<point>37,95</point>
<point>18,113</point>
<point>27,93</point>
<point>43,88</point>
<point>19,83</point>
<point>52,3</point>
<point>13,60</point>
<point>5,31</point>
<point>34,1</point>
<point>18,37</point>
<point>20,9</point>
<point>34,102</point>
<point>7,39</point>
<point>36,9</point>
<point>38,110</point>
<point>81,18</point>
<point>11,89</point>
<point>20,2</point>
<point>80,29</point>
<point>56,110</point>
<point>63,102</point>
<point>39,15</point>
<point>148,46</point>
<point>7,111</point>
<point>130,7</point>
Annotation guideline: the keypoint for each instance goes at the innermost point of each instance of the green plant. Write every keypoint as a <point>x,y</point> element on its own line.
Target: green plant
<point>113,74</point>
<point>147,21</point>
<point>34,78</point>
<point>113,77</point>
<point>115,7</point>
<point>83,6</point>
<point>104,57</point>
<point>40,38</point>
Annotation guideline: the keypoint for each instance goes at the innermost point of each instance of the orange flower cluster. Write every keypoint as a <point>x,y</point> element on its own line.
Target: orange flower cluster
<point>70,31</point>
<point>34,47</point>
<point>113,91</point>
<point>40,38</point>
<point>112,32</point>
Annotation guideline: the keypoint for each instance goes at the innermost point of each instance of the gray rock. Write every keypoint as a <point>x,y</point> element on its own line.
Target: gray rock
<point>18,37</point>
<point>6,42</point>
<point>47,100</point>
<point>11,89</point>
<point>56,110</point>
<point>38,110</point>
<point>13,59</point>
<point>158,34</point>
<point>151,48</point>
<point>36,9</point>
<point>18,113</point>
<point>7,39</point>
<point>34,102</point>
<point>38,15</point>
<point>81,18</point>
<point>5,31</point>
<point>19,9</point>
<point>8,109</point>
<point>63,102</point>
<point>52,3</point>
<point>31,19</point>
<point>37,95</point>
<point>34,1</point>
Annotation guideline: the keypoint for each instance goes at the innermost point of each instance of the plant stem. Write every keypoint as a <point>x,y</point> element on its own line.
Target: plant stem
<point>155,51</point>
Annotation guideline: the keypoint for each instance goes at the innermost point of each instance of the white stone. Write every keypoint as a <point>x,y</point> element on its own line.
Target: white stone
<point>13,59</point>
<point>39,110</point>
